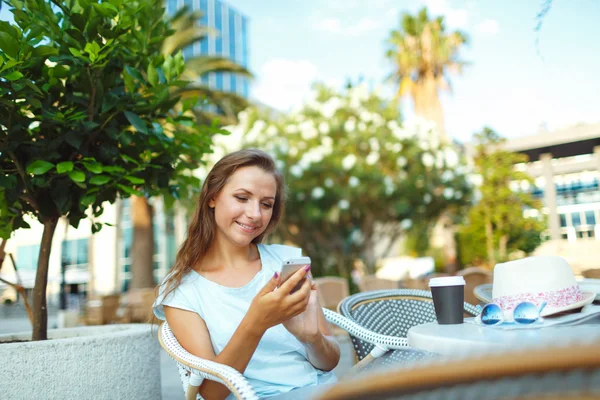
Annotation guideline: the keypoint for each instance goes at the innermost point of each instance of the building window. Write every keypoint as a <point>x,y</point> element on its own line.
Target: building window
<point>590,217</point>
<point>219,27</point>
<point>576,219</point>
<point>563,220</point>
<point>27,257</point>
<point>75,253</point>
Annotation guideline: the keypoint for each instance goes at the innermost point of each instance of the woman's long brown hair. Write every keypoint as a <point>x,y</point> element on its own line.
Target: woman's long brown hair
<point>202,228</point>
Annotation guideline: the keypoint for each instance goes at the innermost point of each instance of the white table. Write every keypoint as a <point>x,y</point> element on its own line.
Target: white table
<point>466,338</point>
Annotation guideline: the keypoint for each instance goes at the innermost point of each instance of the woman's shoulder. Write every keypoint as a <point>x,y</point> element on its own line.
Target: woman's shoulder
<point>280,251</point>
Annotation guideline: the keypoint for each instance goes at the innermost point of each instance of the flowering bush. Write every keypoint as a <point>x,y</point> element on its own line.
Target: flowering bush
<point>357,177</point>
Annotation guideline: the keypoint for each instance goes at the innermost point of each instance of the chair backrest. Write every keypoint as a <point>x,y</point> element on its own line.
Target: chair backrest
<point>569,372</point>
<point>484,292</point>
<point>474,276</point>
<point>139,302</point>
<point>591,273</point>
<point>390,312</point>
<point>332,290</point>
<point>110,305</point>
<point>368,283</point>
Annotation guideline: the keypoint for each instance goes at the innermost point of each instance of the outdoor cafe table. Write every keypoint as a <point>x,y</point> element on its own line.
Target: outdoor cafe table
<point>468,337</point>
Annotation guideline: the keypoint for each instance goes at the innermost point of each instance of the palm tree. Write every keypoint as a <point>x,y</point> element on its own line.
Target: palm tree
<point>226,104</point>
<point>424,54</point>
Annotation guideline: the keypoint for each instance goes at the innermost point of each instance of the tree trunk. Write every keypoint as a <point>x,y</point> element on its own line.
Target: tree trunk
<point>489,235</point>
<point>142,249</point>
<point>40,310</point>
<point>342,267</point>
<point>428,105</point>
<point>2,253</point>
<point>502,248</point>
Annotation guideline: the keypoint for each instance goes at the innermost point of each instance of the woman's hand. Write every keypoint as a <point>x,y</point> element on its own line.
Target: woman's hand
<point>271,307</point>
<point>306,325</point>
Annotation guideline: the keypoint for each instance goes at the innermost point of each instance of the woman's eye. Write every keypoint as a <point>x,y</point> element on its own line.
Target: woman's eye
<point>268,205</point>
<point>241,198</point>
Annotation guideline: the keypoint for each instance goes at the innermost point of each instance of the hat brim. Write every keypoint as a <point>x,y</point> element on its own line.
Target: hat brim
<point>588,298</point>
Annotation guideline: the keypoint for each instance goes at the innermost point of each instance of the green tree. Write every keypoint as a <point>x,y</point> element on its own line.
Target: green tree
<point>358,179</point>
<point>498,218</point>
<point>86,116</point>
<point>185,32</point>
<point>424,54</point>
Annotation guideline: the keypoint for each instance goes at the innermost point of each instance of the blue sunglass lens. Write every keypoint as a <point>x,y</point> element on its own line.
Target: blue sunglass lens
<point>491,314</point>
<point>526,313</point>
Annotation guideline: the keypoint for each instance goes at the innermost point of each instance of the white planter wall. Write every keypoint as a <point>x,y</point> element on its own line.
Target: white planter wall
<point>109,362</point>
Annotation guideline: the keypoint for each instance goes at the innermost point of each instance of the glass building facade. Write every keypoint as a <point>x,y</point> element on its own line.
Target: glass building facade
<point>231,41</point>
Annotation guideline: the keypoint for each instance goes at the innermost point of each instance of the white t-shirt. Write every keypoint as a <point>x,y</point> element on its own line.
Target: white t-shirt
<point>280,362</point>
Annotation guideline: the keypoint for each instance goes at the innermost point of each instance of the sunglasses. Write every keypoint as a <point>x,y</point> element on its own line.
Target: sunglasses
<point>524,313</point>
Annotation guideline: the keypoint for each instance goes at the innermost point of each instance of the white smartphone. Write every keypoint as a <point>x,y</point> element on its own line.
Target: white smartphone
<point>289,268</point>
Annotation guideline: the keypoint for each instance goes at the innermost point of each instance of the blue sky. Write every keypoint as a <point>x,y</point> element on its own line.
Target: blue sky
<point>508,86</point>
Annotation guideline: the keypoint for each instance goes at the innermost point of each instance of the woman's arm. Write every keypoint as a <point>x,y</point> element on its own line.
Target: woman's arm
<point>322,349</point>
<point>269,308</point>
<point>191,332</point>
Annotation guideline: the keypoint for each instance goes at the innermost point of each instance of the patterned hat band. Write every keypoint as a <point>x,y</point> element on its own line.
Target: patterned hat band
<point>554,299</point>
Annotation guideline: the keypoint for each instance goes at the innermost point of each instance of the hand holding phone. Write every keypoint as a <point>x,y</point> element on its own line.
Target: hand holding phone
<point>289,268</point>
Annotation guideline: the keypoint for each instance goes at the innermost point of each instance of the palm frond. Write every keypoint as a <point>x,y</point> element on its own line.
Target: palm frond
<point>201,65</point>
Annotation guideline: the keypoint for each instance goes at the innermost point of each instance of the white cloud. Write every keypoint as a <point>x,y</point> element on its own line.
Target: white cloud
<point>364,25</point>
<point>488,27</point>
<point>284,83</point>
<point>456,18</point>
<point>334,25</point>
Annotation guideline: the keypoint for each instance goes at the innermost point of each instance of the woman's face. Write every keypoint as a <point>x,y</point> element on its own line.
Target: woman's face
<point>244,206</point>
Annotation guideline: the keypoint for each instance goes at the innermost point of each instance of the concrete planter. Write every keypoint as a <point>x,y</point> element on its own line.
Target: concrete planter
<point>92,362</point>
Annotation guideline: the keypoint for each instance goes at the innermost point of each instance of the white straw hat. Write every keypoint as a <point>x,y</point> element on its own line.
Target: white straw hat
<point>539,279</point>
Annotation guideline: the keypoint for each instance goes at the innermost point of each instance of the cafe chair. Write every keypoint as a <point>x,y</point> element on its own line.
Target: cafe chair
<point>371,282</point>
<point>392,313</point>
<point>474,276</point>
<point>331,290</point>
<point>561,372</point>
<point>193,370</point>
<point>483,292</point>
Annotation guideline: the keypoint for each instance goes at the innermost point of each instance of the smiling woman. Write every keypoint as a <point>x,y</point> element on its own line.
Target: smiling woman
<point>220,298</point>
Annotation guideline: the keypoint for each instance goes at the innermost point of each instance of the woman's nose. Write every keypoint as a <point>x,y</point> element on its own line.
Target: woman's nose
<point>253,210</point>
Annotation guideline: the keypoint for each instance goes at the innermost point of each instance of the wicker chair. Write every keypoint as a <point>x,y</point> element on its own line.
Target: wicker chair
<point>391,312</point>
<point>561,372</point>
<point>193,369</point>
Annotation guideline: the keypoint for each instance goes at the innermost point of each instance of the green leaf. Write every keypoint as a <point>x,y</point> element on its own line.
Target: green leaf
<point>78,21</point>
<point>44,51</point>
<point>77,176</point>
<point>129,159</point>
<point>65,166</point>
<point>77,53</point>
<point>113,169</point>
<point>129,190</point>
<point>100,179</point>
<point>152,75</point>
<point>135,180</point>
<point>96,226</point>
<point>13,76</point>
<point>9,64</point>
<point>9,45</point>
<point>39,167</point>
<point>93,167</point>
<point>88,199</point>
<point>136,121</point>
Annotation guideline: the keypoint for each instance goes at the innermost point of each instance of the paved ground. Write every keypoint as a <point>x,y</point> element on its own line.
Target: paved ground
<point>13,319</point>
